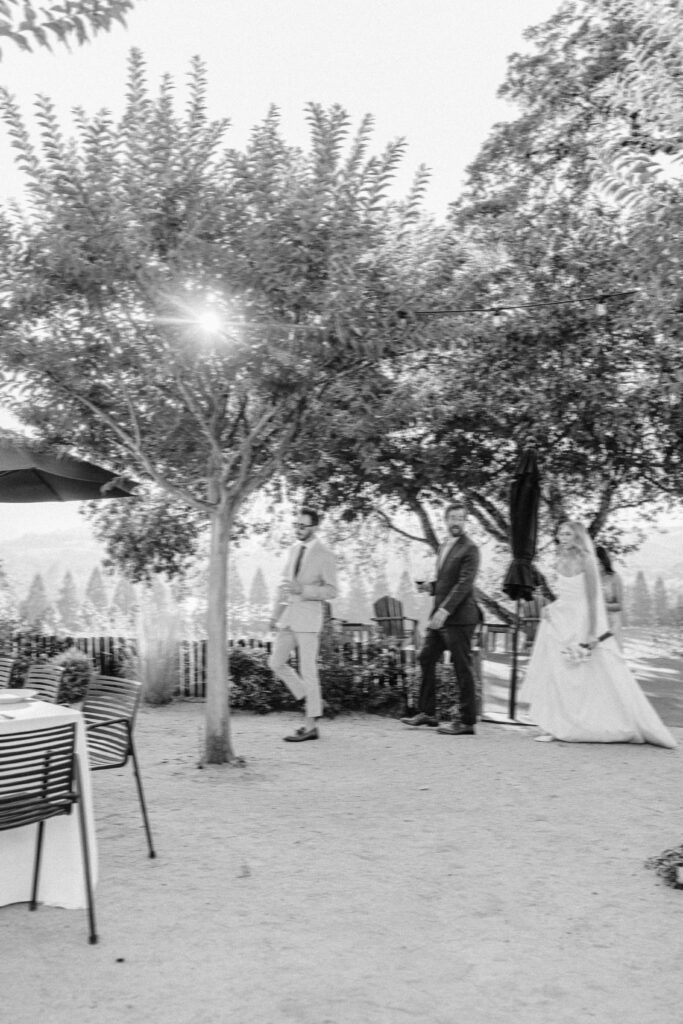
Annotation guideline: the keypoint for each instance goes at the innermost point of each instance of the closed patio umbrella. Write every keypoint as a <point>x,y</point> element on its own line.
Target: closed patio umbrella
<point>519,580</point>
<point>28,475</point>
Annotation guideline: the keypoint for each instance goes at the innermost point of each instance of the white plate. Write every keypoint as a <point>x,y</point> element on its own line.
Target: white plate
<point>16,696</point>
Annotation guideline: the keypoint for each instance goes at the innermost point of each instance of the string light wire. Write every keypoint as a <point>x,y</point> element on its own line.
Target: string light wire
<point>599,300</point>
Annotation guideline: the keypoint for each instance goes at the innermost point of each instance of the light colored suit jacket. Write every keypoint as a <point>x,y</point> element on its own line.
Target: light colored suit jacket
<point>318,577</point>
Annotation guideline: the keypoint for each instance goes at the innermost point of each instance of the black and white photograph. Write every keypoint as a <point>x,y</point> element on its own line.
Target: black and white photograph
<point>341,511</point>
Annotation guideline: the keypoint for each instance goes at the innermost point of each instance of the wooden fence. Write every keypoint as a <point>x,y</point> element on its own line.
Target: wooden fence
<point>109,654</point>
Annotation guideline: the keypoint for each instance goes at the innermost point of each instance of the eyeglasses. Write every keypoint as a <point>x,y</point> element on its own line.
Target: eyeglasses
<point>303,526</point>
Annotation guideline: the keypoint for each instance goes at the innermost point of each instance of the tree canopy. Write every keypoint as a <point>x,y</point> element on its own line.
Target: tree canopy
<point>573,354</point>
<point>181,309</point>
<point>213,320</point>
<point>26,24</point>
<point>586,362</point>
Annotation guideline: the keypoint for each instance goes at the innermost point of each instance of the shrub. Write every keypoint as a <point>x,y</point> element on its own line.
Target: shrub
<point>78,672</point>
<point>377,684</point>
<point>21,645</point>
<point>30,646</point>
<point>253,686</point>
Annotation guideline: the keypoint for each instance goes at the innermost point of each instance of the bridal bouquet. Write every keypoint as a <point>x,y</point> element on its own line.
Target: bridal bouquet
<point>575,653</point>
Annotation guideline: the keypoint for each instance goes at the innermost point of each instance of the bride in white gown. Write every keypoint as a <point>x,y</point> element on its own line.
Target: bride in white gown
<point>578,684</point>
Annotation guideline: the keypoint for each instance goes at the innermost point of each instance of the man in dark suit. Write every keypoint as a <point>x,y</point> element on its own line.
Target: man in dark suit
<point>454,616</point>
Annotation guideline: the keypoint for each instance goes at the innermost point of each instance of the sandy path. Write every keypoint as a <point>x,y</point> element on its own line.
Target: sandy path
<point>379,875</point>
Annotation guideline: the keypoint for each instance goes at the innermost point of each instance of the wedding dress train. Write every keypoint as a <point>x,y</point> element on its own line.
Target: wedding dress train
<point>580,697</point>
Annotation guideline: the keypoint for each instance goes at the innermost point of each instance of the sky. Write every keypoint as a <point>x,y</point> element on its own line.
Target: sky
<point>427,70</point>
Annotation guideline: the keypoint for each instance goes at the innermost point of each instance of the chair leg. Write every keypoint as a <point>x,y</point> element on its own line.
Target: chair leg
<point>141,796</point>
<point>85,850</point>
<point>36,866</point>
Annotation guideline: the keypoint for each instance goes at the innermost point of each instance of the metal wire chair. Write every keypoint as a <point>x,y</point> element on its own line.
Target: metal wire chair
<point>38,770</point>
<point>6,666</point>
<point>109,711</point>
<point>46,679</point>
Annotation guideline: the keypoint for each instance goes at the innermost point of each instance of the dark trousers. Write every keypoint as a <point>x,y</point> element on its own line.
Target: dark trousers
<point>457,640</point>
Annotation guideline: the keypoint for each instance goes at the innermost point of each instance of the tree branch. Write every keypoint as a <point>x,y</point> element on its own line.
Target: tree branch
<point>391,525</point>
<point>420,511</point>
<point>129,444</point>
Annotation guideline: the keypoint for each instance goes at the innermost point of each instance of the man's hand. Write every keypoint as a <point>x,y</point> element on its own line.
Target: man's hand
<point>438,618</point>
<point>296,588</point>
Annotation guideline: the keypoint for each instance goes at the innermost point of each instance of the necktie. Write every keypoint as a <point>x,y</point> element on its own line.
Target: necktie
<point>299,559</point>
<point>445,551</point>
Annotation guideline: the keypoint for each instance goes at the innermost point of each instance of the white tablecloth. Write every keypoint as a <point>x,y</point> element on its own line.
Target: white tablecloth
<point>61,882</point>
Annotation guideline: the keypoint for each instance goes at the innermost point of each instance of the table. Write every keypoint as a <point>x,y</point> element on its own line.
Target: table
<point>61,882</point>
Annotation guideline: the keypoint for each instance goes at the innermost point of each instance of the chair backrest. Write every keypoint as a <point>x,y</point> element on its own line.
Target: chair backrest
<point>109,711</point>
<point>46,679</point>
<point>6,666</point>
<point>355,632</point>
<point>389,616</point>
<point>36,774</point>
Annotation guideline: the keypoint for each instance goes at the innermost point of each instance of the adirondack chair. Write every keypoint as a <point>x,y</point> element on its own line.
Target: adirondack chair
<point>392,623</point>
<point>351,632</point>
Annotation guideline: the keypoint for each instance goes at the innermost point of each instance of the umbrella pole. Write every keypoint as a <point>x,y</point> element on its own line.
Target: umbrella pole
<point>513,678</point>
<point>495,717</point>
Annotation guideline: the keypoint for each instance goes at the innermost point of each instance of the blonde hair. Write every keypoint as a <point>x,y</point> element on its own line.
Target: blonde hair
<point>582,541</point>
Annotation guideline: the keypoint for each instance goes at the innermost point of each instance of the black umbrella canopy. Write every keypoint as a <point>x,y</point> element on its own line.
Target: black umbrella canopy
<point>27,475</point>
<point>525,494</point>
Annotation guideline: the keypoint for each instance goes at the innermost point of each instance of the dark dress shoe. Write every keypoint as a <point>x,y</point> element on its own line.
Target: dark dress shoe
<point>302,734</point>
<point>421,719</point>
<point>451,729</point>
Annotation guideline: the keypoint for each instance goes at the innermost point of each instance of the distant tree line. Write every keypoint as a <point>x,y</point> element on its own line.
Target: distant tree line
<point>112,606</point>
<point>652,605</point>
<point>97,610</point>
<point>109,605</point>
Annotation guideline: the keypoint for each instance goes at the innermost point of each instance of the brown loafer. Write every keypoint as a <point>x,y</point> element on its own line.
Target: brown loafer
<point>451,729</point>
<point>420,719</point>
<point>302,734</point>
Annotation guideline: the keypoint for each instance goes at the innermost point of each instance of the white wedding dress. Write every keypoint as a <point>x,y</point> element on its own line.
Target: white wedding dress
<point>593,700</point>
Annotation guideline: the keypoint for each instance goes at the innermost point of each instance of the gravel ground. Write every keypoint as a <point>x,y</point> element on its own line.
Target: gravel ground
<point>376,876</point>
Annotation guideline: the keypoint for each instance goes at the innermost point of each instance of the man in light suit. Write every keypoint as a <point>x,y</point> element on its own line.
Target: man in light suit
<point>455,614</point>
<point>309,578</point>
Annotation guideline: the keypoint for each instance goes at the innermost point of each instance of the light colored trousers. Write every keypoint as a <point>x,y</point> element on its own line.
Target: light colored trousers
<point>304,683</point>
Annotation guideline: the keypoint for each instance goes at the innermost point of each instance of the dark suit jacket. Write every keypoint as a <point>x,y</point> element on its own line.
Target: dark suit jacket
<point>453,588</point>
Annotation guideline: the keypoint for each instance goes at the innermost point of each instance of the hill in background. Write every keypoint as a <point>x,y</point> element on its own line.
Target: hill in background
<point>52,555</point>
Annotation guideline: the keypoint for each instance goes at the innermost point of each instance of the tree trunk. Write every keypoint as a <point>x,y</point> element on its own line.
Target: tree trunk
<point>218,743</point>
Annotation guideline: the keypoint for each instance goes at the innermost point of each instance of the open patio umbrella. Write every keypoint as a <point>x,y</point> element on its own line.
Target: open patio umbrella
<point>28,475</point>
<point>519,580</point>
